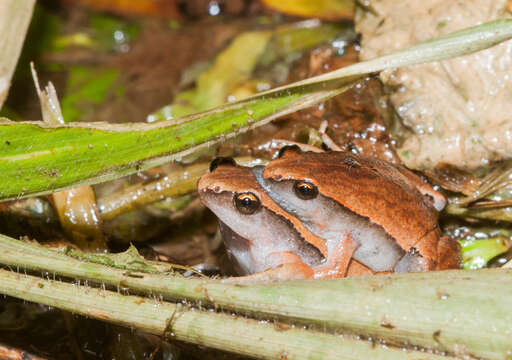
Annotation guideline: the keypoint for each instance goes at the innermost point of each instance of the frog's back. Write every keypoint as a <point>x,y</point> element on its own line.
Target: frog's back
<point>368,187</point>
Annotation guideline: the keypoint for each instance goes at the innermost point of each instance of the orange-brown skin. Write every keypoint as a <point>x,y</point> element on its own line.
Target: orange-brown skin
<point>374,189</point>
<point>355,268</point>
<point>231,178</point>
<point>241,179</point>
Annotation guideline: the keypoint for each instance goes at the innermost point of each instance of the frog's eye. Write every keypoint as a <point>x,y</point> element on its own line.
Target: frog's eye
<point>247,203</point>
<point>305,190</point>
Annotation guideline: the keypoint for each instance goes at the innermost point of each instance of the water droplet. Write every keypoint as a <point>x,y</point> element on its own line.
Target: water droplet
<point>214,8</point>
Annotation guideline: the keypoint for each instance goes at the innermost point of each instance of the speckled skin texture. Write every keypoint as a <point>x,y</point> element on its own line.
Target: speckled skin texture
<point>228,180</point>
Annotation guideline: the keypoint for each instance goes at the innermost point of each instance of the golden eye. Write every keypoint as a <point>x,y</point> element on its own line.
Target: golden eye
<point>305,190</point>
<point>247,203</point>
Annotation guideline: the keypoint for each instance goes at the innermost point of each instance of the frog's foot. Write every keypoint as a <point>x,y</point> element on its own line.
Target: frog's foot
<point>286,265</point>
<point>448,253</point>
<point>338,263</point>
<point>432,252</point>
<point>435,198</point>
<point>327,140</point>
<point>437,253</point>
<point>422,256</point>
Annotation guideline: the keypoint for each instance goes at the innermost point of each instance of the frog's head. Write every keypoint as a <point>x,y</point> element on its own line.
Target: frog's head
<point>253,226</point>
<point>337,194</point>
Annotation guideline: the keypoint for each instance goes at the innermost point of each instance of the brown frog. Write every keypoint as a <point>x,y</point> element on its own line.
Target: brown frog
<point>314,215</point>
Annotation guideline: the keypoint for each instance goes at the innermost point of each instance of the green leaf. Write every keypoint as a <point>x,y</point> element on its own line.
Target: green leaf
<point>477,253</point>
<point>36,158</point>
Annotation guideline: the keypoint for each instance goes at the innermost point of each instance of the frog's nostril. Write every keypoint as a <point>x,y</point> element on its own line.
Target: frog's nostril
<point>221,161</point>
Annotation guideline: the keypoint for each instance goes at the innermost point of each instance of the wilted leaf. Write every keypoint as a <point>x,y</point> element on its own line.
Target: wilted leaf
<point>234,65</point>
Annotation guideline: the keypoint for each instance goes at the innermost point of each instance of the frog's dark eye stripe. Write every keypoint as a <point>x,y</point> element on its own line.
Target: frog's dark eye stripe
<point>305,190</point>
<point>285,149</point>
<point>221,161</point>
<point>247,203</point>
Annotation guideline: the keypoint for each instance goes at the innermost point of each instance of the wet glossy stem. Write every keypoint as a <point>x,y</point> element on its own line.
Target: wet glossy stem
<point>461,312</point>
<point>249,337</point>
<point>172,185</point>
<point>500,214</point>
<point>175,184</point>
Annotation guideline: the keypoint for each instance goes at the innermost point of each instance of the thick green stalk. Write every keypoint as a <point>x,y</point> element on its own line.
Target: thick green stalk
<point>249,337</point>
<point>460,312</point>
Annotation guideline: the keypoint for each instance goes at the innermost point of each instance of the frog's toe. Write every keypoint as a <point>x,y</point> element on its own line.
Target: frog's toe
<point>289,271</point>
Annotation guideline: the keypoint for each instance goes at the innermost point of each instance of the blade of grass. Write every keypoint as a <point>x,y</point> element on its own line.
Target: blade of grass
<point>37,159</point>
<point>459,312</point>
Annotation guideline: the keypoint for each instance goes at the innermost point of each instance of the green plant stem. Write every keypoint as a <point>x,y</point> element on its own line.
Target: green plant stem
<point>37,158</point>
<point>249,337</point>
<point>174,184</point>
<point>498,214</point>
<point>460,312</point>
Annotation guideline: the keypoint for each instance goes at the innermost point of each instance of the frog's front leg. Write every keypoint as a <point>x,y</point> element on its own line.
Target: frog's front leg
<point>355,268</point>
<point>285,265</point>
<point>337,263</point>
